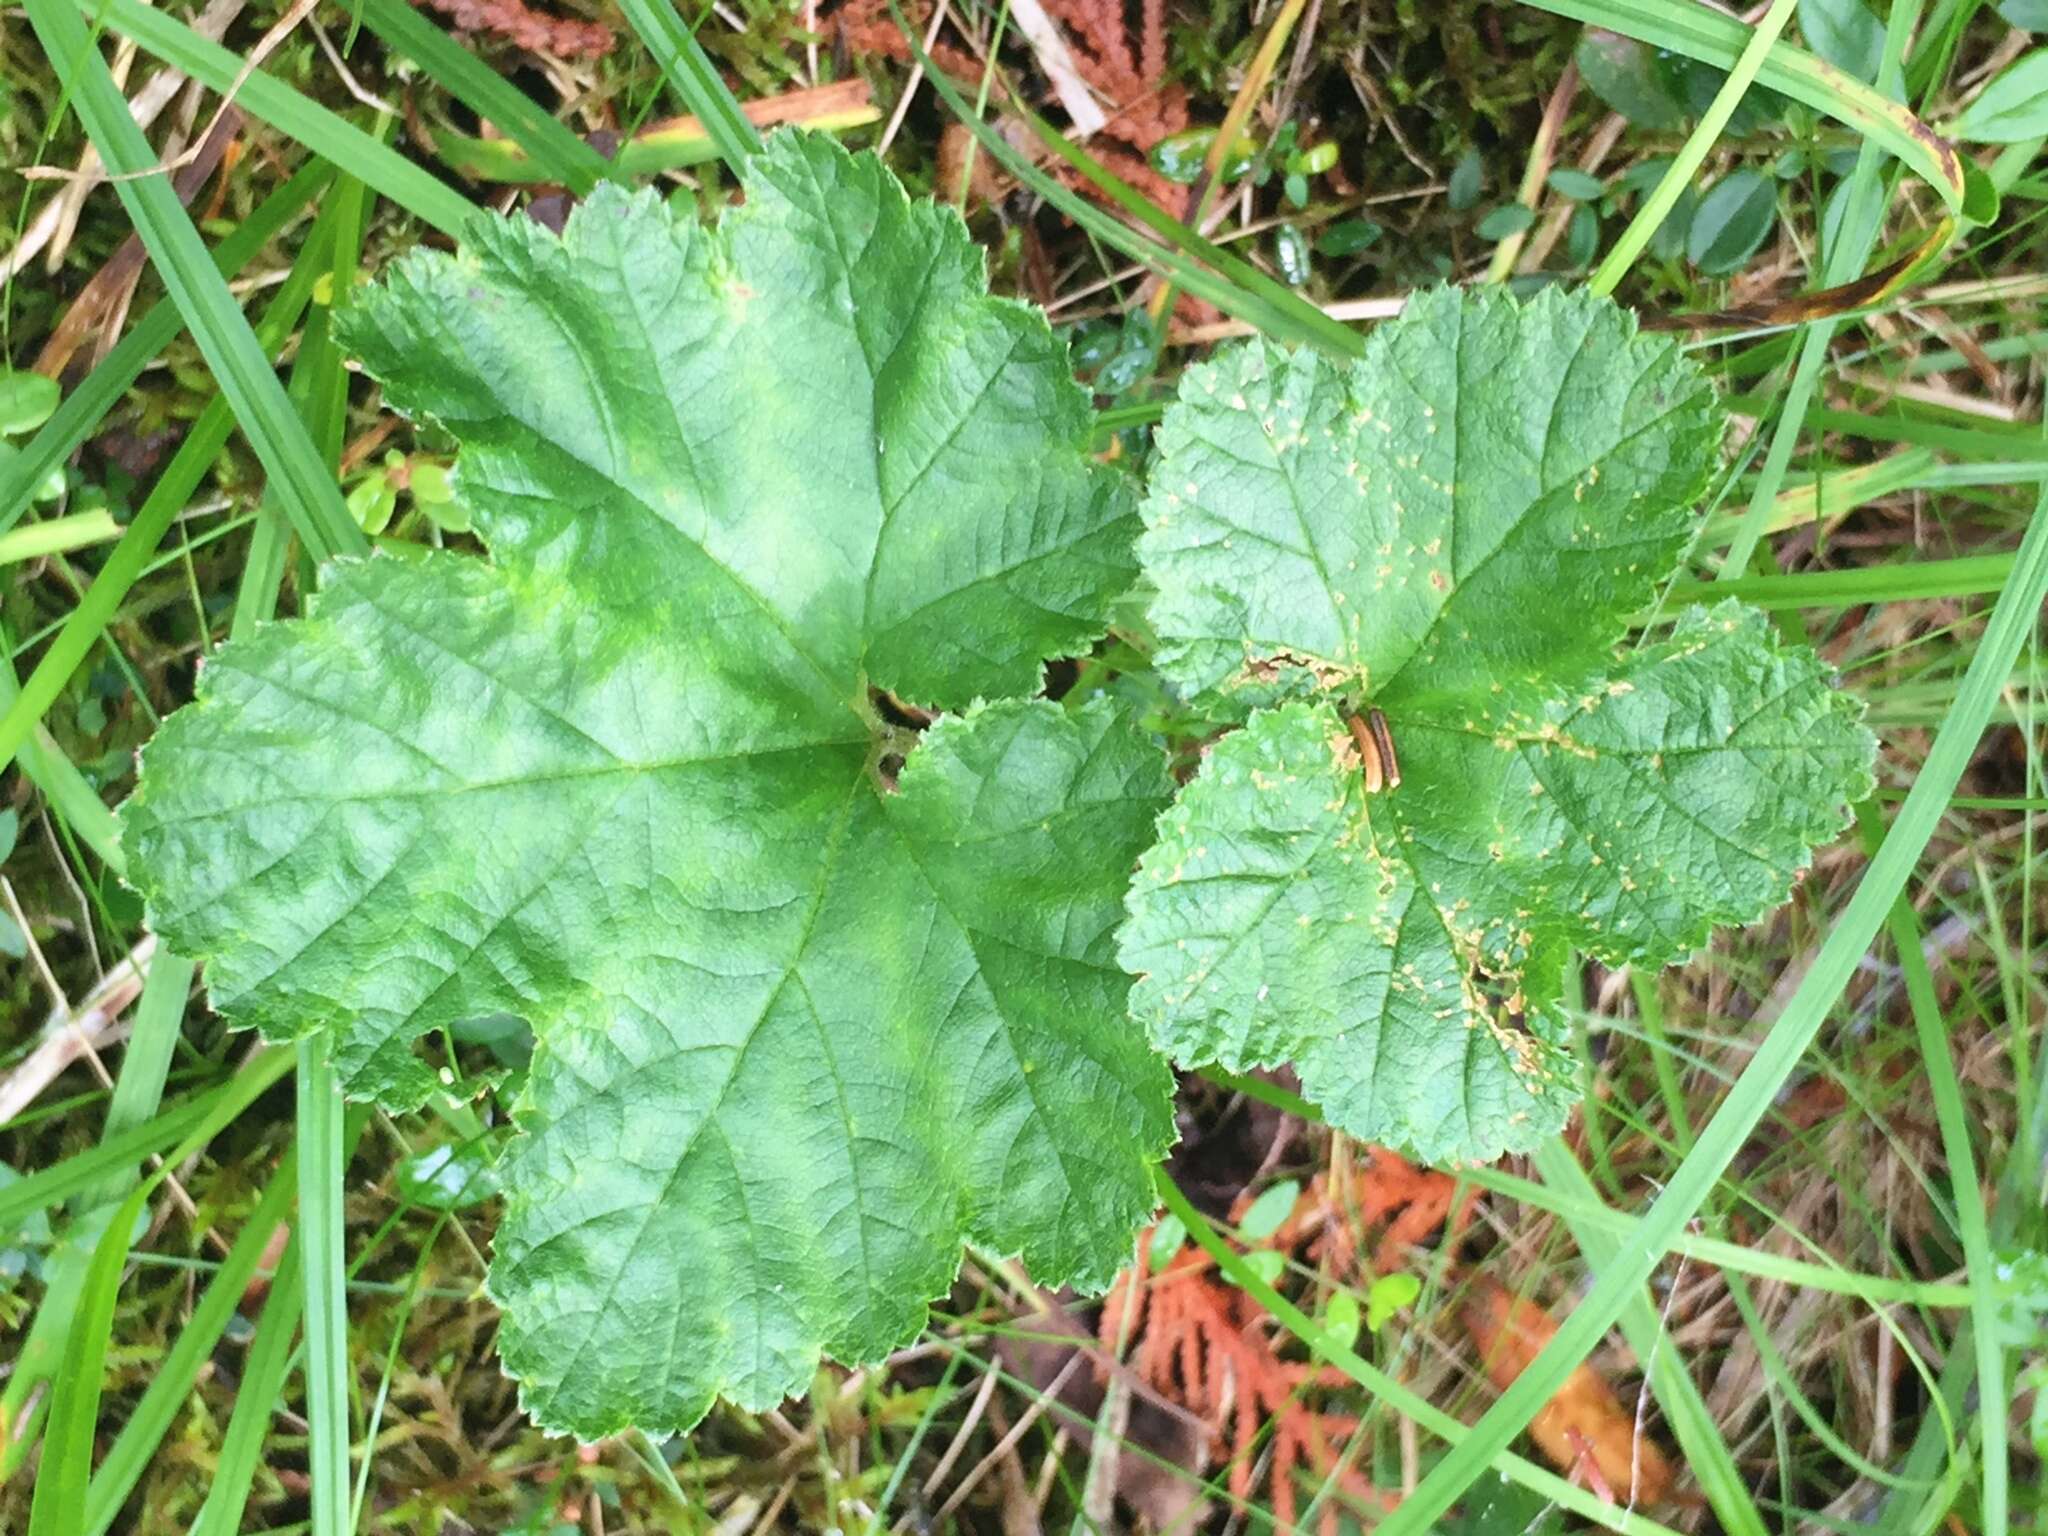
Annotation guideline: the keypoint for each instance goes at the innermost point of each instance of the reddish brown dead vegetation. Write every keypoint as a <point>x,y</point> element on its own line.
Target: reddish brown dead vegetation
<point>1584,1429</point>
<point>515,22</point>
<point>1203,1343</point>
<point>1123,65</point>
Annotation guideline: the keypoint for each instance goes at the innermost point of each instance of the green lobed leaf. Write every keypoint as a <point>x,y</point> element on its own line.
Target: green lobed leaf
<point>799,1030</point>
<point>1455,531</point>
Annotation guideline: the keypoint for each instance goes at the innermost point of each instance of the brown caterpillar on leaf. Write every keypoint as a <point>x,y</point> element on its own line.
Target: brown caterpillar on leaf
<point>1375,750</point>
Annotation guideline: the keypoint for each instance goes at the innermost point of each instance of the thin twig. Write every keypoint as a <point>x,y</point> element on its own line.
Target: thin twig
<point>71,1033</point>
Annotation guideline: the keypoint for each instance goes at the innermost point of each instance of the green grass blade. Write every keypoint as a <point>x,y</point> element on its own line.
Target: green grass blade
<point>1984,442</point>
<point>238,361</point>
<point>1821,1276</point>
<point>146,1063</point>
<point>1906,581</point>
<point>175,1375</point>
<point>77,804</point>
<point>103,388</point>
<point>1776,1057</point>
<point>1677,178</point>
<point>695,79</point>
<point>66,1468</point>
<point>1951,1114</point>
<point>552,148</point>
<point>137,1094</point>
<point>1595,1216</point>
<point>1707,1455</point>
<point>1855,238</point>
<point>47,1188</point>
<point>167,498</point>
<point>1708,35</point>
<point>325,1278</point>
<point>41,1190</point>
<point>1278,311</point>
<point>296,116</point>
<point>58,536</point>
<point>263,1377</point>
<point>1180,254</point>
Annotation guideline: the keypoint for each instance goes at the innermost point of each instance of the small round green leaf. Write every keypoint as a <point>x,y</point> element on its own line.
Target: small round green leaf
<point>1733,219</point>
<point>1316,159</point>
<point>1266,1264</point>
<point>1262,1218</point>
<point>1668,243</point>
<point>1576,185</point>
<point>1506,221</point>
<point>1342,1319</point>
<point>1389,1294</point>
<point>27,400</point>
<point>1347,237</point>
<point>1582,236</point>
<point>1167,1240</point>
<point>448,1177</point>
<point>1468,180</point>
<point>1846,34</point>
<point>1626,75</point>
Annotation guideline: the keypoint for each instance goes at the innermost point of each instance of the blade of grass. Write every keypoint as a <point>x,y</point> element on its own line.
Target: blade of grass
<point>695,79</point>
<point>239,362</point>
<point>63,787</point>
<point>1951,1115</point>
<point>66,1467</point>
<point>1821,1276</point>
<point>198,1334</point>
<point>173,489</point>
<point>1180,254</point>
<point>1257,74</point>
<point>1855,237</point>
<point>1906,581</point>
<point>138,1092</point>
<point>1714,38</point>
<point>1685,1411</point>
<point>48,1187</point>
<point>296,116</point>
<point>552,147</point>
<point>263,1377</point>
<point>1677,178</point>
<point>320,389</point>
<point>1777,1055</point>
<point>321,1171</point>
<point>57,536</point>
<point>103,388</point>
<point>1384,1387</point>
<point>669,146</point>
<point>1985,441</point>
<point>146,1063</point>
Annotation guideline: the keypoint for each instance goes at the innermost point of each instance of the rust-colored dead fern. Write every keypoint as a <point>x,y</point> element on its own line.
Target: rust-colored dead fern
<point>1125,66</point>
<point>515,22</point>
<point>1206,1345</point>
<point>1128,72</point>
